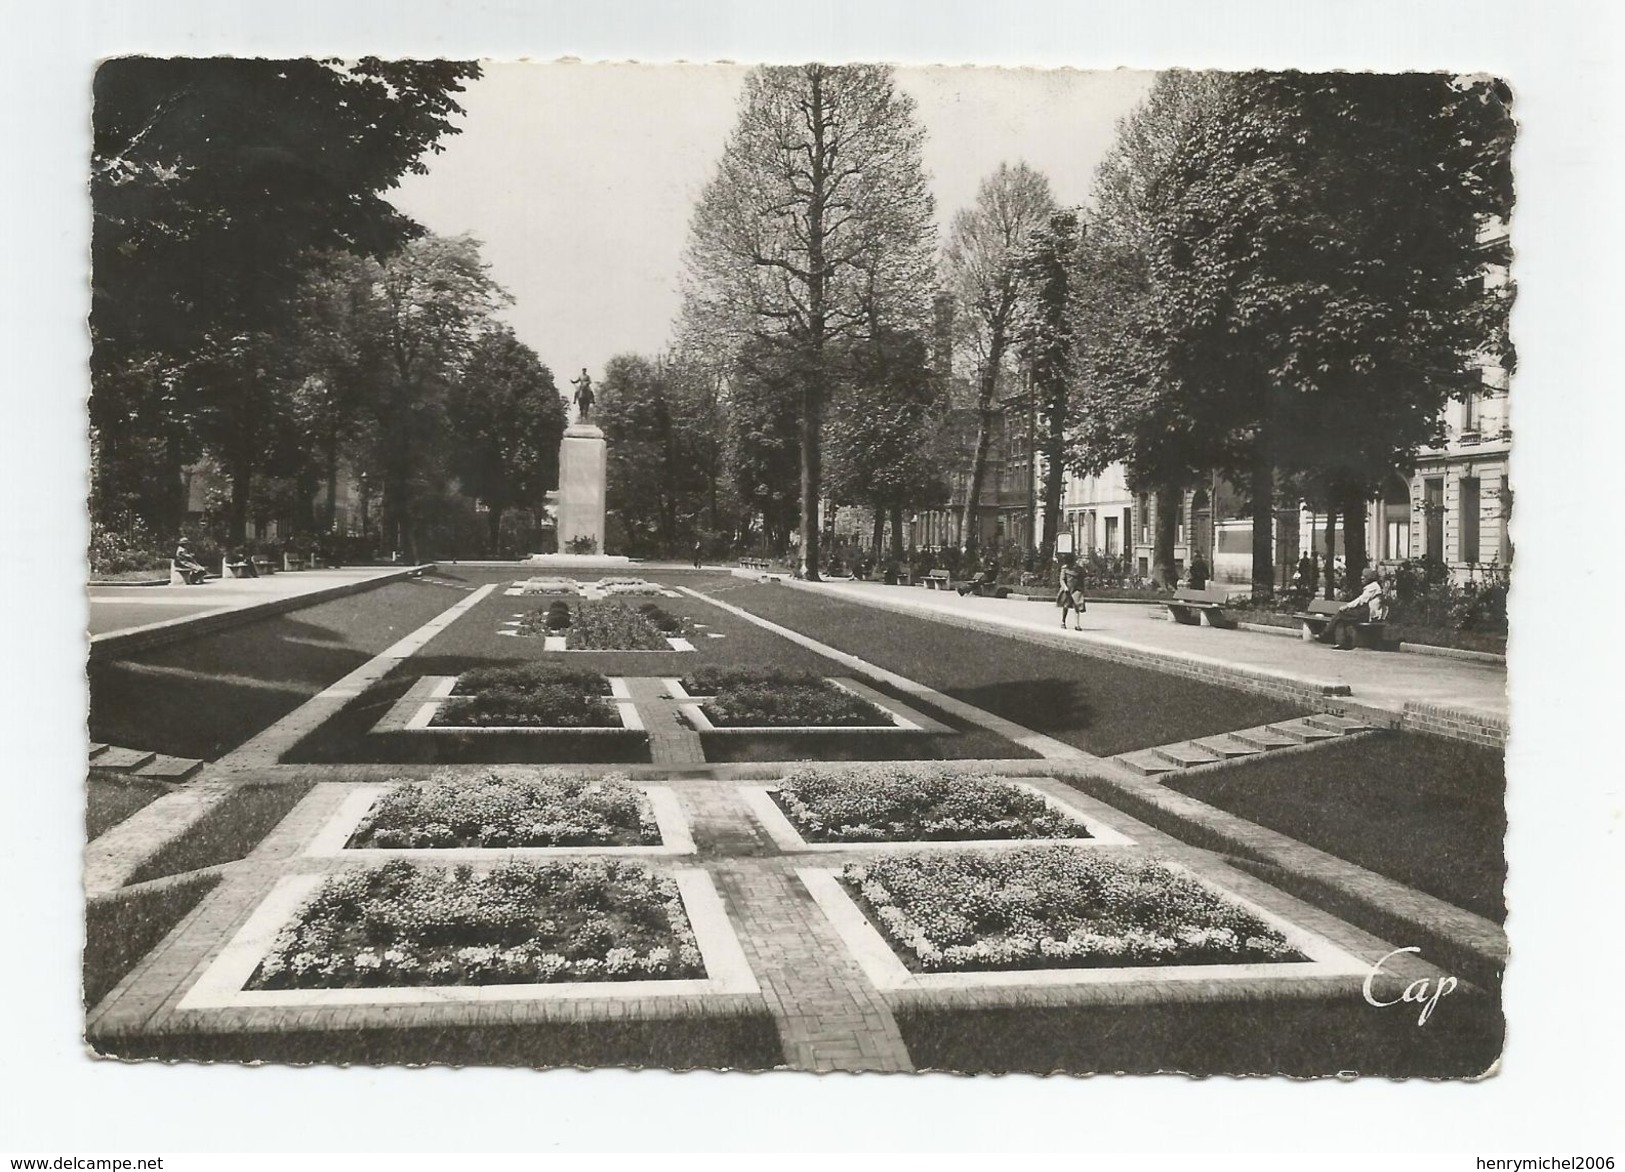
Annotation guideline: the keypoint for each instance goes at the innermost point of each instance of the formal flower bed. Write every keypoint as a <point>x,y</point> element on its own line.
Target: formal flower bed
<point>819,704</point>
<point>528,696</point>
<point>889,803</point>
<point>549,586</point>
<point>1053,907</point>
<point>629,586</point>
<point>607,625</point>
<point>402,924</point>
<point>708,681</point>
<point>510,809</point>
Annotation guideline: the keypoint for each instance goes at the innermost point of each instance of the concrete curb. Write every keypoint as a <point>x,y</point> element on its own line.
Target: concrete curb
<point>116,643</point>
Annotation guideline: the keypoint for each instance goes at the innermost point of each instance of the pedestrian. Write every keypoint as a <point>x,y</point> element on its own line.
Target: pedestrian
<point>696,553</point>
<point>1070,596</point>
<point>1198,575</point>
<point>1369,606</point>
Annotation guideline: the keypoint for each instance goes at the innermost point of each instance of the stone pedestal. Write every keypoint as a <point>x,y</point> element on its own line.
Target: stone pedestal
<point>583,468</point>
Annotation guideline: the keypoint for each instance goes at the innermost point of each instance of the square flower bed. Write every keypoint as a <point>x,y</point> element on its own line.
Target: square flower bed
<point>528,696</point>
<point>607,625</point>
<point>1053,908</point>
<point>816,704</point>
<point>405,925</point>
<point>886,803</point>
<point>509,808</point>
<point>708,681</point>
<point>533,586</point>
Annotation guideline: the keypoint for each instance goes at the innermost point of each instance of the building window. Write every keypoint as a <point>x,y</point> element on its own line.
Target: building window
<point>1433,517</point>
<point>1505,552</point>
<point>1467,545</point>
<point>1111,537</point>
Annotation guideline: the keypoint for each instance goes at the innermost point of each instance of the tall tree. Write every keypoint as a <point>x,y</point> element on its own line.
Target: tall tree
<point>1047,339</point>
<point>885,428</point>
<point>817,221</point>
<point>985,242</point>
<point>506,419</point>
<point>435,298</point>
<point>763,438</point>
<point>212,181</point>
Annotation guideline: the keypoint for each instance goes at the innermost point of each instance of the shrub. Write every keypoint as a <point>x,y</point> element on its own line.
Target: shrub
<point>508,809</point>
<point>1053,907</point>
<point>791,705</point>
<point>130,547</point>
<point>582,545</point>
<point>519,923</point>
<point>880,803</point>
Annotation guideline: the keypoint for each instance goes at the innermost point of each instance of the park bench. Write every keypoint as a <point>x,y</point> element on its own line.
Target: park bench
<point>1316,621</point>
<point>1194,607</point>
<point>984,585</point>
<point>300,561</point>
<point>263,565</point>
<point>760,565</point>
<point>238,569</point>
<point>938,579</point>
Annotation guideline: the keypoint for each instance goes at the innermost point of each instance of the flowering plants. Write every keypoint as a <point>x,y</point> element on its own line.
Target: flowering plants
<point>519,923</point>
<point>607,625</point>
<point>708,681</point>
<point>817,704</point>
<point>1053,907</point>
<point>896,803</point>
<point>546,706</point>
<point>504,808</point>
<point>524,677</point>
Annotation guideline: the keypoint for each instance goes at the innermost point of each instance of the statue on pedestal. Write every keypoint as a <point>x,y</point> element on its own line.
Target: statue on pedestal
<point>583,398</point>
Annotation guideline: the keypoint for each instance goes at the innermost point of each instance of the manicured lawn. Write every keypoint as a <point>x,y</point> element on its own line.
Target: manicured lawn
<point>206,696</point>
<point>1422,810</point>
<point>1095,704</point>
<point>232,828</point>
<point>110,799</point>
<point>123,927</point>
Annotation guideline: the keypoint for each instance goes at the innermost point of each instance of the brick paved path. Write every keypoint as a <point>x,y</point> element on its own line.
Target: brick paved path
<point>671,741</point>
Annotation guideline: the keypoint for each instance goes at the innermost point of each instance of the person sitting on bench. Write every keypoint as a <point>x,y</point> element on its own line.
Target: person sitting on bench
<point>983,584</point>
<point>1369,606</point>
<point>187,566</point>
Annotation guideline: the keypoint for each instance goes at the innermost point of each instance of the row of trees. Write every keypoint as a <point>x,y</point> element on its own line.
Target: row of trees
<point>1280,279</point>
<point>257,304</point>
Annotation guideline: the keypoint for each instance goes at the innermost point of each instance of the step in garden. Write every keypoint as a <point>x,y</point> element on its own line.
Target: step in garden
<point>122,760</point>
<point>1247,742</point>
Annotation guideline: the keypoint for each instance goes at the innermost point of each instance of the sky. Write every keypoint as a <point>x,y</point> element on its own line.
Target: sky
<point>579,179</point>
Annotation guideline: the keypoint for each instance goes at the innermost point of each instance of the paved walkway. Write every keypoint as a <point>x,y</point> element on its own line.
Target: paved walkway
<point>121,609</point>
<point>1385,680</point>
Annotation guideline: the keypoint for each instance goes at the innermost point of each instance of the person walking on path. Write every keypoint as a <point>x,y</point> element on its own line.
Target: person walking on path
<point>1070,598</point>
<point>1370,605</point>
<point>696,554</point>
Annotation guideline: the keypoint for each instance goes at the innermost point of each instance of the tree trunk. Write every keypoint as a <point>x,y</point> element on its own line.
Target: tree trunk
<point>1331,550</point>
<point>330,521</point>
<point>1263,511</point>
<point>1163,550</point>
<point>809,530</point>
<point>493,531</point>
<point>1354,554</point>
<point>970,526</point>
<point>1054,481</point>
<point>876,549</point>
<point>897,533</point>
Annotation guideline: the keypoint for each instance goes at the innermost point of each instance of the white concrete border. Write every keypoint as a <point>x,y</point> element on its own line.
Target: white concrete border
<point>888,973</point>
<point>787,838</point>
<point>221,985</point>
<point>329,842</point>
